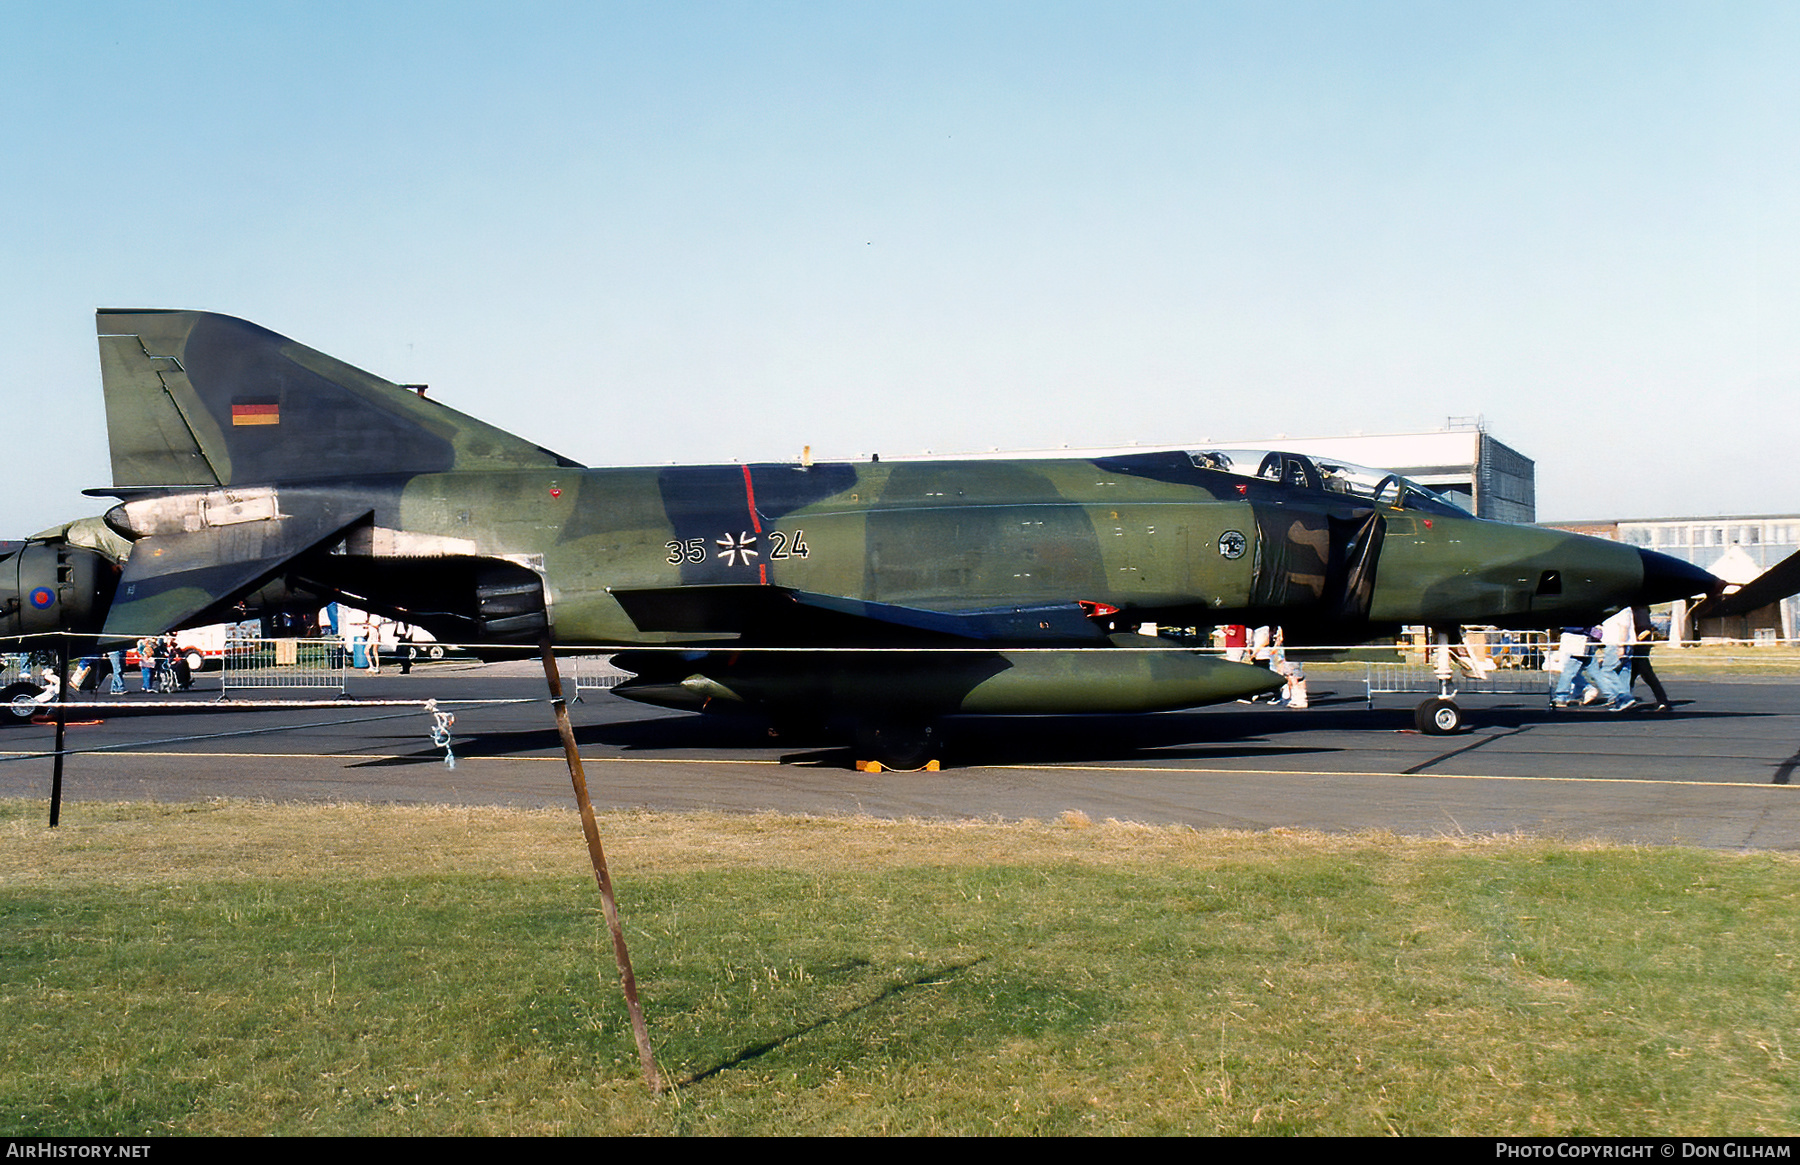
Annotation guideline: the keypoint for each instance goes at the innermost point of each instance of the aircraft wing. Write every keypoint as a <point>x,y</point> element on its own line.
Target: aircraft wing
<point>788,616</point>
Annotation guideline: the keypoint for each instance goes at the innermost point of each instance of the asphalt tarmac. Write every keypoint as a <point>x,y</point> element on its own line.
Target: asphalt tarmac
<point>1716,772</point>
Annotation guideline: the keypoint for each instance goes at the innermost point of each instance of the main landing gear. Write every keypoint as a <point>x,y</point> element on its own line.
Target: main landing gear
<point>905,747</point>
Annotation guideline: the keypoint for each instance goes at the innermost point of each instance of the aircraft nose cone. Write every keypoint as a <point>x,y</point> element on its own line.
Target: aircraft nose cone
<point>1667,578</point>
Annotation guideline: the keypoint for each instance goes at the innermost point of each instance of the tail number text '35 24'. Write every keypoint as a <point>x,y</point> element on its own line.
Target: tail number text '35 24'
<point>739,548</point>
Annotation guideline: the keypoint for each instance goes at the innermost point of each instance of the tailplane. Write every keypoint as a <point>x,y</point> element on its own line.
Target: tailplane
<point>199,399</point>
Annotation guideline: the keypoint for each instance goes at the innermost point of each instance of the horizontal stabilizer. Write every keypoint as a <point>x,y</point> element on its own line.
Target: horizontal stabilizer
<point>185,579</point>
<point>199,399</point>
<point>770,613</point>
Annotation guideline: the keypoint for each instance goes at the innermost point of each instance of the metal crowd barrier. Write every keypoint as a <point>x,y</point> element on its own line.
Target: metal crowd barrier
<point>1414,679</point>
<point>318,664</point>
<point>1507,650</point>
<point>591,673</point>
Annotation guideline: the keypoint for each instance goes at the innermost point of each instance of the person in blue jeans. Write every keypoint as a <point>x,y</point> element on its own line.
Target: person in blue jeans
<point>1577,648</point>
<point>1617,634</point>
<point>147,662</point>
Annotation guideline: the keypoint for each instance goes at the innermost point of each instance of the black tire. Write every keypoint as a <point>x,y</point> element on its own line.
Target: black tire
<point>16,702</point>
<point>435,651</point>
<point>1439,717</point>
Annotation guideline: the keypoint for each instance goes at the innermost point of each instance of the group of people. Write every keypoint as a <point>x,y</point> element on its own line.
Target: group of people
<point>164,668</point>
<point>1587,676</point>
<point>1608,675</point>
<point>160,663</point>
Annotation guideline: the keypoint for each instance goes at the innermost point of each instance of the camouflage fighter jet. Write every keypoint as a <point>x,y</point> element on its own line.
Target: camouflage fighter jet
<point>870,598</point>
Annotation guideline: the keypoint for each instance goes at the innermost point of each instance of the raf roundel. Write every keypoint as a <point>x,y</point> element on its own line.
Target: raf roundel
<point>1231,544</point>
<point>42,598</point>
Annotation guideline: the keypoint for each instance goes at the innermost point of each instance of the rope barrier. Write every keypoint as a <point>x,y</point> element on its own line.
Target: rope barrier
<point>248,705</point>
<point>521,652</point>
<point>200,736</point>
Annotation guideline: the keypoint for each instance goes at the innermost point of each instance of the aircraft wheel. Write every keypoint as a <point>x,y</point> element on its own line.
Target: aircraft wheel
<point>1439,717</point>
<point>901,747</point>
<point>435,651</point>
<point>19,702</point>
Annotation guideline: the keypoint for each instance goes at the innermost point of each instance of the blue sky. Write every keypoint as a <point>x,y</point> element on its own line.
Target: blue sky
<point>645,233</point>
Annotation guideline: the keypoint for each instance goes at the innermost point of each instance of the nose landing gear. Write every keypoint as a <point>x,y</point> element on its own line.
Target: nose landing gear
<point>1438,716</point>
<point>1442,715</point>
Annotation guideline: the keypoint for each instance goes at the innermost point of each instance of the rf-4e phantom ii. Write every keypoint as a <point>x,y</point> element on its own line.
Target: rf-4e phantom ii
<point>871,599</point>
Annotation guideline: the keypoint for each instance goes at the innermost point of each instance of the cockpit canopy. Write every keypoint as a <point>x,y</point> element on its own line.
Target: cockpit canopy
<point>1376,486</point>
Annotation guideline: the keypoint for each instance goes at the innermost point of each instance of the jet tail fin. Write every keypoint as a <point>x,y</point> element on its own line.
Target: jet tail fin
<point>199,399</point>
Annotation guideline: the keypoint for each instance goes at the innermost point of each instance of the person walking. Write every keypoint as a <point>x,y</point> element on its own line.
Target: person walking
<point>1575,647</point>
<point>1640,659</point>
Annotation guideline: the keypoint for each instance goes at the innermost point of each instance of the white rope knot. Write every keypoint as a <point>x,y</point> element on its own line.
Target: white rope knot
<point>440,731</point>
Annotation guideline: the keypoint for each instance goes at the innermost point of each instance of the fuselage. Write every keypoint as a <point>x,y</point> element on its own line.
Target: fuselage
<point>1155,535</point>
<point>501,555</point>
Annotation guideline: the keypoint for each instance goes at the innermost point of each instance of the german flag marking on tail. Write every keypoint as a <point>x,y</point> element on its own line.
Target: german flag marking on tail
<point>259,410</point>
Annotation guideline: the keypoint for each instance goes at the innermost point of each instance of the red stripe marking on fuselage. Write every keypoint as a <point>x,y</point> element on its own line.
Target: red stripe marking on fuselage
<point>762,568</point>
<point>750,499</point>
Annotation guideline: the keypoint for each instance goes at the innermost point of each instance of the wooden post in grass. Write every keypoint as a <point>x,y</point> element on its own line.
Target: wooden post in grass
<point>592,829</point>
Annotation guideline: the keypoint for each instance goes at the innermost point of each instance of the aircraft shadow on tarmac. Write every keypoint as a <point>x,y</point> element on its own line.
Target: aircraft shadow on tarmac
<point>1199,736</point>
<point>1219,734</point>
<point>968,741</point>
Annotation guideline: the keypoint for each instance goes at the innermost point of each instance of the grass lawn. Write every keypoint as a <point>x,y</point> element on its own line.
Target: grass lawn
<point>248,968</point>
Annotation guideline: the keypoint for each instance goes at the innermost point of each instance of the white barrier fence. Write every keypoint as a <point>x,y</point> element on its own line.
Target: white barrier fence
<point>312,664</point>
<point>1486,662</point>
<point>1384,679</point>
<point>591,673</point>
